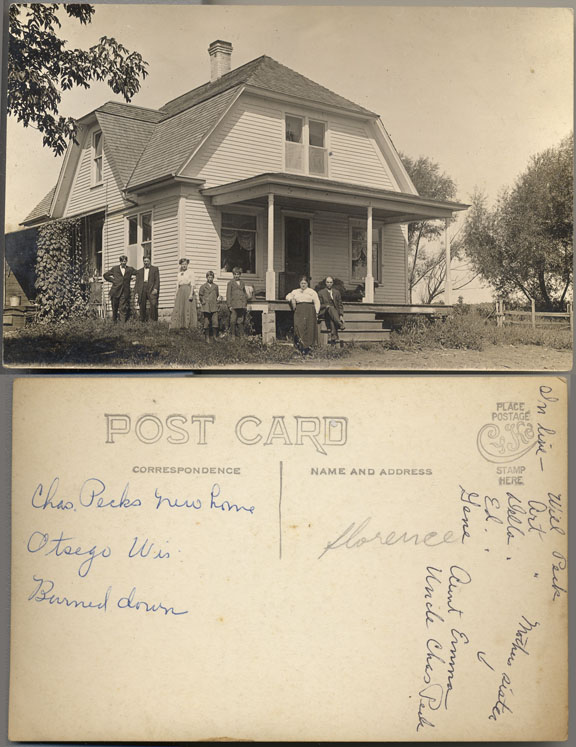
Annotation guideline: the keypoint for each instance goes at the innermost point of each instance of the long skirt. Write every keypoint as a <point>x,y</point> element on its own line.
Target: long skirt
<point>305,326</point>
<point>184,313</point>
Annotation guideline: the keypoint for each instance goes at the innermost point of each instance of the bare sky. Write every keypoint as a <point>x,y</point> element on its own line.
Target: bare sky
<point>479,90</point>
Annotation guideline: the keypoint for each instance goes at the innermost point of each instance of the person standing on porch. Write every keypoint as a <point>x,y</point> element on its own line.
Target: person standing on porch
<point>306,305</point>
<point>147,290</point>
<point>209,296</point>
<point>237,301</point>
<point>120,277</point>
<point>332,309</point>
<point>184,313</point>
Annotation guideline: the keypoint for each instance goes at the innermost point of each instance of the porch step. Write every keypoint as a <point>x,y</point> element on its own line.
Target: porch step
<point>357,335</point>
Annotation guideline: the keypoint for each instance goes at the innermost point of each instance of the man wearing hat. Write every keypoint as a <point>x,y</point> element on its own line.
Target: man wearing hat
<point>120,276</point>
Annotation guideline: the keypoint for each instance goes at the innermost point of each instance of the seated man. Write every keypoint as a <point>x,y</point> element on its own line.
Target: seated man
<point>332,309</point>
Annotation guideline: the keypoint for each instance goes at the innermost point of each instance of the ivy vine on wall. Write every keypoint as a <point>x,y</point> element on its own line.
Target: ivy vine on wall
<point>62,290</point>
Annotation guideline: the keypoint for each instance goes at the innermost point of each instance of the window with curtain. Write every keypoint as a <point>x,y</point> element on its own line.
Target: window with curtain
<point>359,254</point>
<point>238,242</point>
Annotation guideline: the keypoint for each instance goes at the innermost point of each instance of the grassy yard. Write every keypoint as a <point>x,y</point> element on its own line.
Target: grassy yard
<point>100,343</point>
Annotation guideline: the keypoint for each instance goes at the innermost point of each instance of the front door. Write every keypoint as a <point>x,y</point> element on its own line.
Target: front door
<point>296,249</point>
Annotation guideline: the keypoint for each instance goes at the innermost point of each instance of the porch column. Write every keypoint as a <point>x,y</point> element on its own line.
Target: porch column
<point>369,280</point>
<point>270,274</point>
<point>448,280</point>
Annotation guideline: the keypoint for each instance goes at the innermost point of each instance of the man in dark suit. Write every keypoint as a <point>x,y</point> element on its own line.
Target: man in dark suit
<point>147,290</point>
<point>120,276</point>
<point>331,309</point>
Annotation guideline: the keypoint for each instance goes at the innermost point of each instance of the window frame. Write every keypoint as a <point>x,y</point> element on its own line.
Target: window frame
<point>247,211</point>
<point>140,242</point>
<point>97,152</point>
<point>377,269</point>
<point>305,144</point>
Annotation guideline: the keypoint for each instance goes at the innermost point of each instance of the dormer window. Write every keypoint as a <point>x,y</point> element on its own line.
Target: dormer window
<point>97,158</point>
<point>305,145</point>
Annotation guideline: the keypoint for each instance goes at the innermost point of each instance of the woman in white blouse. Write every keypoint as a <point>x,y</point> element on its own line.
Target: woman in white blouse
<point>184,313</point>
<point>306,305</point>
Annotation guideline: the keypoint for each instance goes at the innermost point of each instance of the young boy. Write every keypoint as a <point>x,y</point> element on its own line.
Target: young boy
<point>236,300</point>
<point>208,296</point>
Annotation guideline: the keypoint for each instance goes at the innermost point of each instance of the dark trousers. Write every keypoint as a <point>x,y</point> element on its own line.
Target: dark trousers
<point>151,298</point>
<point>237,317</point>
<point>333,323</point>
<point>210,321</point>
<point>120,307</point>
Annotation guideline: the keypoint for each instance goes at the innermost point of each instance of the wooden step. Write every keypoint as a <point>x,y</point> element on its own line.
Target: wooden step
<point>357,335</point>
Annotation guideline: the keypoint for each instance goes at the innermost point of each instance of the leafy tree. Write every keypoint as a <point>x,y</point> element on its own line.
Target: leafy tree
<point>523,247</point>
<point>40,68</point>
<point>430,182</point>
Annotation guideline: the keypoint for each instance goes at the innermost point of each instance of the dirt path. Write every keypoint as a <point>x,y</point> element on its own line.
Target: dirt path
<point>493,358</point>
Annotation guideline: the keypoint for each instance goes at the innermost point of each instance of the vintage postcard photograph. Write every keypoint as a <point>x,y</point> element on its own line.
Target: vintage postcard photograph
<point>288,187</point>
<point>191,565</point>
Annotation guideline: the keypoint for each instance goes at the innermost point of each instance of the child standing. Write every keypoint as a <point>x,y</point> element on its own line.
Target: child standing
<point>236,300</point>
<point>208,296</point>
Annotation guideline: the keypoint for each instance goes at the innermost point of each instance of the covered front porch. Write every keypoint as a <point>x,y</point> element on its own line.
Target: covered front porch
<point>318,227</point>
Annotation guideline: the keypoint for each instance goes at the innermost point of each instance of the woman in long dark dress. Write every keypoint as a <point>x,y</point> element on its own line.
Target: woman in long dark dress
<point>306,305</point>
<point>184,313</point>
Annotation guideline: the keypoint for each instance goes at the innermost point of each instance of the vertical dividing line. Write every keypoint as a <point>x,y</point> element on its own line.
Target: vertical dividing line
<point>280,517</point>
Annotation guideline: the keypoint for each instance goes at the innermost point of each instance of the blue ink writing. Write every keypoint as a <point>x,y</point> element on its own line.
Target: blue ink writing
<point>44,592</point>
<point>162,500</point>
<point>226,505</point>
<point>48,501</point>
<point>128,602</point>
<point>145,549</point>
<point>40,541</point>
<point>94,488</point>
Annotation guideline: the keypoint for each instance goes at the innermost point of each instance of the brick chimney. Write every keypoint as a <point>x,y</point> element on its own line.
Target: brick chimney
<point>220,59</point>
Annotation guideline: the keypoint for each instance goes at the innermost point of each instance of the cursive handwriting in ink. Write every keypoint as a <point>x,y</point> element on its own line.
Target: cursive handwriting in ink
<point>145,549</point>
<point>226,505</point>
<point>432,695</point>
<point>44,592</point>
<point>555,512</point>
<point>431,577</point>
<point>456,637</point>
<point>39,500</point>
<point>515,508</point>
<point>560,563</point>
<point>500,705</point>
<point>40,541</point>
<point>534,524</point>
<point>352,538</point>
<point>161,500</point>
<point>466,499</point>
<point>542,405</point>
<point>543,445</point>
<point>520,640</point>
<point>94,488</point>
<point>128,602</point>
<point>458,576</point>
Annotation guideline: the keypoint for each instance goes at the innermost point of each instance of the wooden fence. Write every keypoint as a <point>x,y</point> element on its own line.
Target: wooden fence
<point>533,317</point>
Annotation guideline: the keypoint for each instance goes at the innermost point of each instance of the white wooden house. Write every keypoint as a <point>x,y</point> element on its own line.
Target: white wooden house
<point>262,168</point>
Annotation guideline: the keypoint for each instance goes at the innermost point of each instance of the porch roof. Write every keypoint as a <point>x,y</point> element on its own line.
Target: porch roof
<point>315,193</point>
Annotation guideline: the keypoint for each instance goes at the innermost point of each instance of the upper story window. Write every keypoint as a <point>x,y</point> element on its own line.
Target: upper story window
<point>305,145</point>
<point>238,242</point>
<point>140,232</point>
<point>97,171</point>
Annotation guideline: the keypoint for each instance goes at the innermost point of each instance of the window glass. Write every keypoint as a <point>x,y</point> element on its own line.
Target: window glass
<point>359,255</point>
<point>97,150</point>
<point>146,227</point>
<point>317,130</point>
<point>293,129</point>
<point>133,230</point>
<point>238,242</point>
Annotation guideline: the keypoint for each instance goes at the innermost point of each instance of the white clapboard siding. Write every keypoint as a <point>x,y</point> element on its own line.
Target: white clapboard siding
<point>113,240</point>
<point>165,247</point>
<point>85,198</point>
<point>330,236</point>
<point>247,142</point>
<point>393,286</point>
<point>355,156</point>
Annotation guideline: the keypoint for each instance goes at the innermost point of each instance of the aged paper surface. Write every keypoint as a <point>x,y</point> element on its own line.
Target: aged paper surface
<point>326,560</point>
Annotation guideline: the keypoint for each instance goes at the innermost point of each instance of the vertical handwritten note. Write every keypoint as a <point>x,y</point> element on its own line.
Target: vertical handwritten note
<point>348,559</point>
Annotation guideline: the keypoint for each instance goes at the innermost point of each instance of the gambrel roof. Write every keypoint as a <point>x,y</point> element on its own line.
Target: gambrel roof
<point>145,145</point>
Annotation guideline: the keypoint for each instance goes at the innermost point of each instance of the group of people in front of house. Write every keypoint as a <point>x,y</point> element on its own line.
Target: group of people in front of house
<point>308,305</point>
